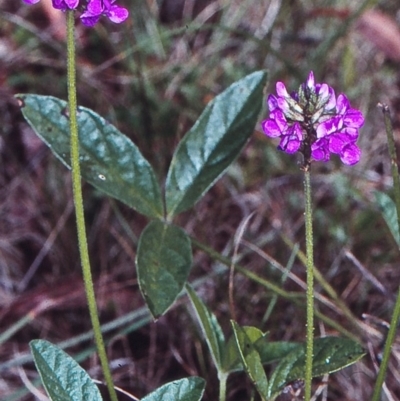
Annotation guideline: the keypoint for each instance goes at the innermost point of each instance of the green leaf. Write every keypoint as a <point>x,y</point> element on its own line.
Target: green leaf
<point>163,262</point>
<point>250,357</point>
<point>232,359</point>
<point>269,351</point>
<point>389,213</point>
<point>210,327</point>
<point>109,160</point>
<point>275,350</point>
<point>190,389</point>
<point>62,377</point>
<point>214,141</point>
<point>330,354</point>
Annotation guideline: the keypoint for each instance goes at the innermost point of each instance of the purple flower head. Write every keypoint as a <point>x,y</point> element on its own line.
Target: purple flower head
<point>314,122</point>
<point>92,11</point>
<point>96,8</point>
<point>59,4</point>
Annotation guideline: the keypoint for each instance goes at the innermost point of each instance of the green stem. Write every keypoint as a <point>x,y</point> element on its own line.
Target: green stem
<point>310,287</point>
<point>222,385</point>
<point>396,312</point>
<point>79,212</point>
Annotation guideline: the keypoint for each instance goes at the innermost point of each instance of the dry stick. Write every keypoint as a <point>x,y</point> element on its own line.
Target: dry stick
<point>292,276</point>
<point>368,275</point>
<point>295,297</point>
<point>238,237</point>
<point>337,306</point>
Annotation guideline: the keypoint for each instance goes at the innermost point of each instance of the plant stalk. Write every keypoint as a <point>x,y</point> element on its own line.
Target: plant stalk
<point>78,202</point>
<point>310,286</point>
<point>222,376</point>
<point>396,312</point>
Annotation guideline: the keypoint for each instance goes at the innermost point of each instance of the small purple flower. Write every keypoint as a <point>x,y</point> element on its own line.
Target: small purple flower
<point>96,8</point>
<point>341,131</point>
<point>291,140</point>
<point>277,126</point>
<point>314,122</point>
<point>59,4</point>
<point>92,11</point>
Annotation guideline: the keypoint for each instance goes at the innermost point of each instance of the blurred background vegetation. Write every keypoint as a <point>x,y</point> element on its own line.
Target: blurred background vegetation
<point>151,77</point>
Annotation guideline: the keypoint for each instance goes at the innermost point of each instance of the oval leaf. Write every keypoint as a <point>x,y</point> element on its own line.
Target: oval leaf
<point>210,327</point>
<point>109,160</point>
<point>190,389</point>
<point>214,141</point>
<point>163,262</point>
<point>62,377</point>
<point>330,354</point>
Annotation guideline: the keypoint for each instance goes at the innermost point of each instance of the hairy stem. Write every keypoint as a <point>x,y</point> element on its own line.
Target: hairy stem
<point>310,285</point>
<point>79,212</point>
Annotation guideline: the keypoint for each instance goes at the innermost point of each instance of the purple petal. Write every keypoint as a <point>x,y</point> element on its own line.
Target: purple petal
<point>351,133</point>
<point>353,118</point>
<point>93,13</point>
<point>89,20</point>
<point>117,14</point>
<point>59,5</point>
<point>272,102</point>
<point>271,129</point>
<point>95,7</point>
<point>290,143</point>
<point>283,104</point>
<point>338,141</point>
<point>330,126</point>
<point>342,104</point>
<point>320,151</point>
<point>331,104</point>
<point>279,119</point>
<point>31,1</point>
<point>281,89</point>
<point>71,4</point>
<point>350,154</point>
<point>323,92</point>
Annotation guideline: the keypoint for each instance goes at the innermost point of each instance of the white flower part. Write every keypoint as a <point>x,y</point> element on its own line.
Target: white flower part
<point>331,104</point>
<point>323,93</point>
<point>311,81</point>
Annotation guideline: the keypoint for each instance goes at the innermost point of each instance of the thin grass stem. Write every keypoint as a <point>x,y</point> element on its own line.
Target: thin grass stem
<point>295,297</point>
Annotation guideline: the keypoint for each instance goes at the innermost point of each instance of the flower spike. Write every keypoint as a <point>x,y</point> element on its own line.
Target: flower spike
<point>314,122</point>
